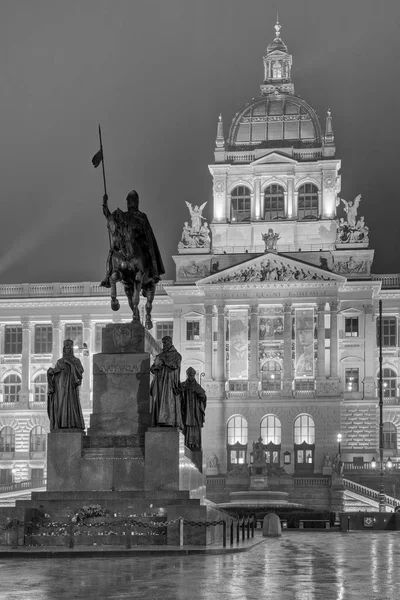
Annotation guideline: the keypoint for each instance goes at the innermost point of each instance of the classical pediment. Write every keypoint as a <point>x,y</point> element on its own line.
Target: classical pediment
<point>271,268</point>
<point>274,158</point>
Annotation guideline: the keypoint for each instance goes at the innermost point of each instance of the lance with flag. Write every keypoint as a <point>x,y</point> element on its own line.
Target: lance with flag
<point>99,158</point>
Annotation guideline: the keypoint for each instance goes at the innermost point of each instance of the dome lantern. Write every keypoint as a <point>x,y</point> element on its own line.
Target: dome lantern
<point>277,66</point>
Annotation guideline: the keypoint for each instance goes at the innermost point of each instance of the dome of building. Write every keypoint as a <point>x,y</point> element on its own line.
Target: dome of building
<point>276,120</point>
<point>277,44</point>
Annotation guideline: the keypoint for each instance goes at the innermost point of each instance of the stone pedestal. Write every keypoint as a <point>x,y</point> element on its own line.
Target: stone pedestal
<point>169,465</point>
<point>258,477</point>
<point>64,455</point>
<point>121,404</point>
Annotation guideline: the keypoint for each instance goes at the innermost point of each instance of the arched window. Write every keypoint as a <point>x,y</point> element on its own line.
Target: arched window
<point>240,204</point>
<point>304,444</point>
<point>274,203</point>
<point>271,429</point>
<point>40,388</point>
<point>389,383</point>
<point>237,441</point>
<point>271,376</point>
<point>12,388</point>
<point>307,206</point>
<point>7,440</point>
<point>304,430</point>
<point>270,432</point>
<point>38,439</point>
<point>389,433</point>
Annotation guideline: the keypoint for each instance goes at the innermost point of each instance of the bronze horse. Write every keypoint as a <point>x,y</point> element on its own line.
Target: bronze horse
<point>133,259</point>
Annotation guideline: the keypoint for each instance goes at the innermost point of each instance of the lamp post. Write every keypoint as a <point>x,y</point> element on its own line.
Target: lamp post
<point>381,488</point>
<point>339,439</point>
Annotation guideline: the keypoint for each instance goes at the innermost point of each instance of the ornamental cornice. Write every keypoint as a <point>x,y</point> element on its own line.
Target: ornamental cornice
<point>83,302</point>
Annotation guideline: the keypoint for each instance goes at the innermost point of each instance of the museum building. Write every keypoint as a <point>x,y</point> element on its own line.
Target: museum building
<point>273,304</point>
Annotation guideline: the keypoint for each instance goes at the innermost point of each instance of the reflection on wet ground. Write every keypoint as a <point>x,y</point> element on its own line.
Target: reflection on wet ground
<point>297,566</point>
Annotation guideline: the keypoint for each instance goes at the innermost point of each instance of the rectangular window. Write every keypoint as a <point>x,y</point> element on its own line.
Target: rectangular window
<point>13,339</point>
<point>358,461</point>
<point>193,330</point>
<point>74,332</point>
<point>98,329</point>
<point>164,328</point>
<point>43,339</point>
<point>389,333</point>
<point>6,476</point>
<point>351,380</point>
<point>351,327</point>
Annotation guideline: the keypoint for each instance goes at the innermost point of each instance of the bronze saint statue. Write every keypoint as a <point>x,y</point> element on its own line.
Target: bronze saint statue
<point>63,405</point>
<point>194,401</point>
<point>134,257</point>
<point>165,387</point>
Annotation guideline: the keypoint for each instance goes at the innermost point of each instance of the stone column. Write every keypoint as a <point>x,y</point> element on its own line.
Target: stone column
<point>86,360</point>
<point>320,207</point>
<point>25,361</point>
<point>369,351</point>
<point>256,212</point>
<point>321,340</point>
<point>220,364</point>
<point>287,350</point>
<point>295,204</point>
<point>321,387</point>
<point>177,331</point>
<point>57,341</point>
<point>334,340</point>
<point>208,341</point>
<point>253,373</point>
<point>289,208</point>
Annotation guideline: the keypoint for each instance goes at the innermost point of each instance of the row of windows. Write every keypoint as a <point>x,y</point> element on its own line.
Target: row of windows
<point>303,431</point>
<point>37,439</point>
<point>274,203</point>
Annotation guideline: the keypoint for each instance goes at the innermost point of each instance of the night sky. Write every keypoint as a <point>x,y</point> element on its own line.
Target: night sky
<point>156,74</point>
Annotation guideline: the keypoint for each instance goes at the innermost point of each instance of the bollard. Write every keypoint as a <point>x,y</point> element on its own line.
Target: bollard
<point>348,523</point>
<point>231,532</point>
<point>224,534</point>
<point>252,527</point>
<point>237,531</point>
<point>248,527</point>
<point>70,528</point>
<point>14,534</point>
<point>243,530</point>
<point>180,532</point>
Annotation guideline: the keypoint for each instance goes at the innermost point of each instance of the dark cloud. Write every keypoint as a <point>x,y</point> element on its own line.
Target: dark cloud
<point>156,74</point>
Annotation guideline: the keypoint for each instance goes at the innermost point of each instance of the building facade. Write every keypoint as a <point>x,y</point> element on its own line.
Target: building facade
<point>273,304</point>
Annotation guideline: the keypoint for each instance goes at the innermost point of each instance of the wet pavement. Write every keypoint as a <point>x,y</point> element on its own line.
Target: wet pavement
<point>297,566</point>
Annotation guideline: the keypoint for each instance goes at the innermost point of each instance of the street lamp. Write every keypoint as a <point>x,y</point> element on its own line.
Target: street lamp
<point>381,488</point>
<point>339,439</point>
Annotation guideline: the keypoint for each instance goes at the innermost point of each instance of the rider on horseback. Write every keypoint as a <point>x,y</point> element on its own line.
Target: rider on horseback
<point>134,257</point>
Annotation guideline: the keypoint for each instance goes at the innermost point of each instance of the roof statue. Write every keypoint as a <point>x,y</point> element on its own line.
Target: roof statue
<point>352,231</point>
<point>197,235</point>
<point>270,240</point>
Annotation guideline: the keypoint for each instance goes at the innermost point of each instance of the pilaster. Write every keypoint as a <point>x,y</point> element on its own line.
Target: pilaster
<point>220,363</point>
<point>25,361</point>
<point>87,375</point>
<point>253,372</point>
<point>177,330</point>
<point>287,350</point>
<point>208,341</point>
<point>257,199</point>
<point>369,352</point>
<point>57,342</point>
<point>334,304</point>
